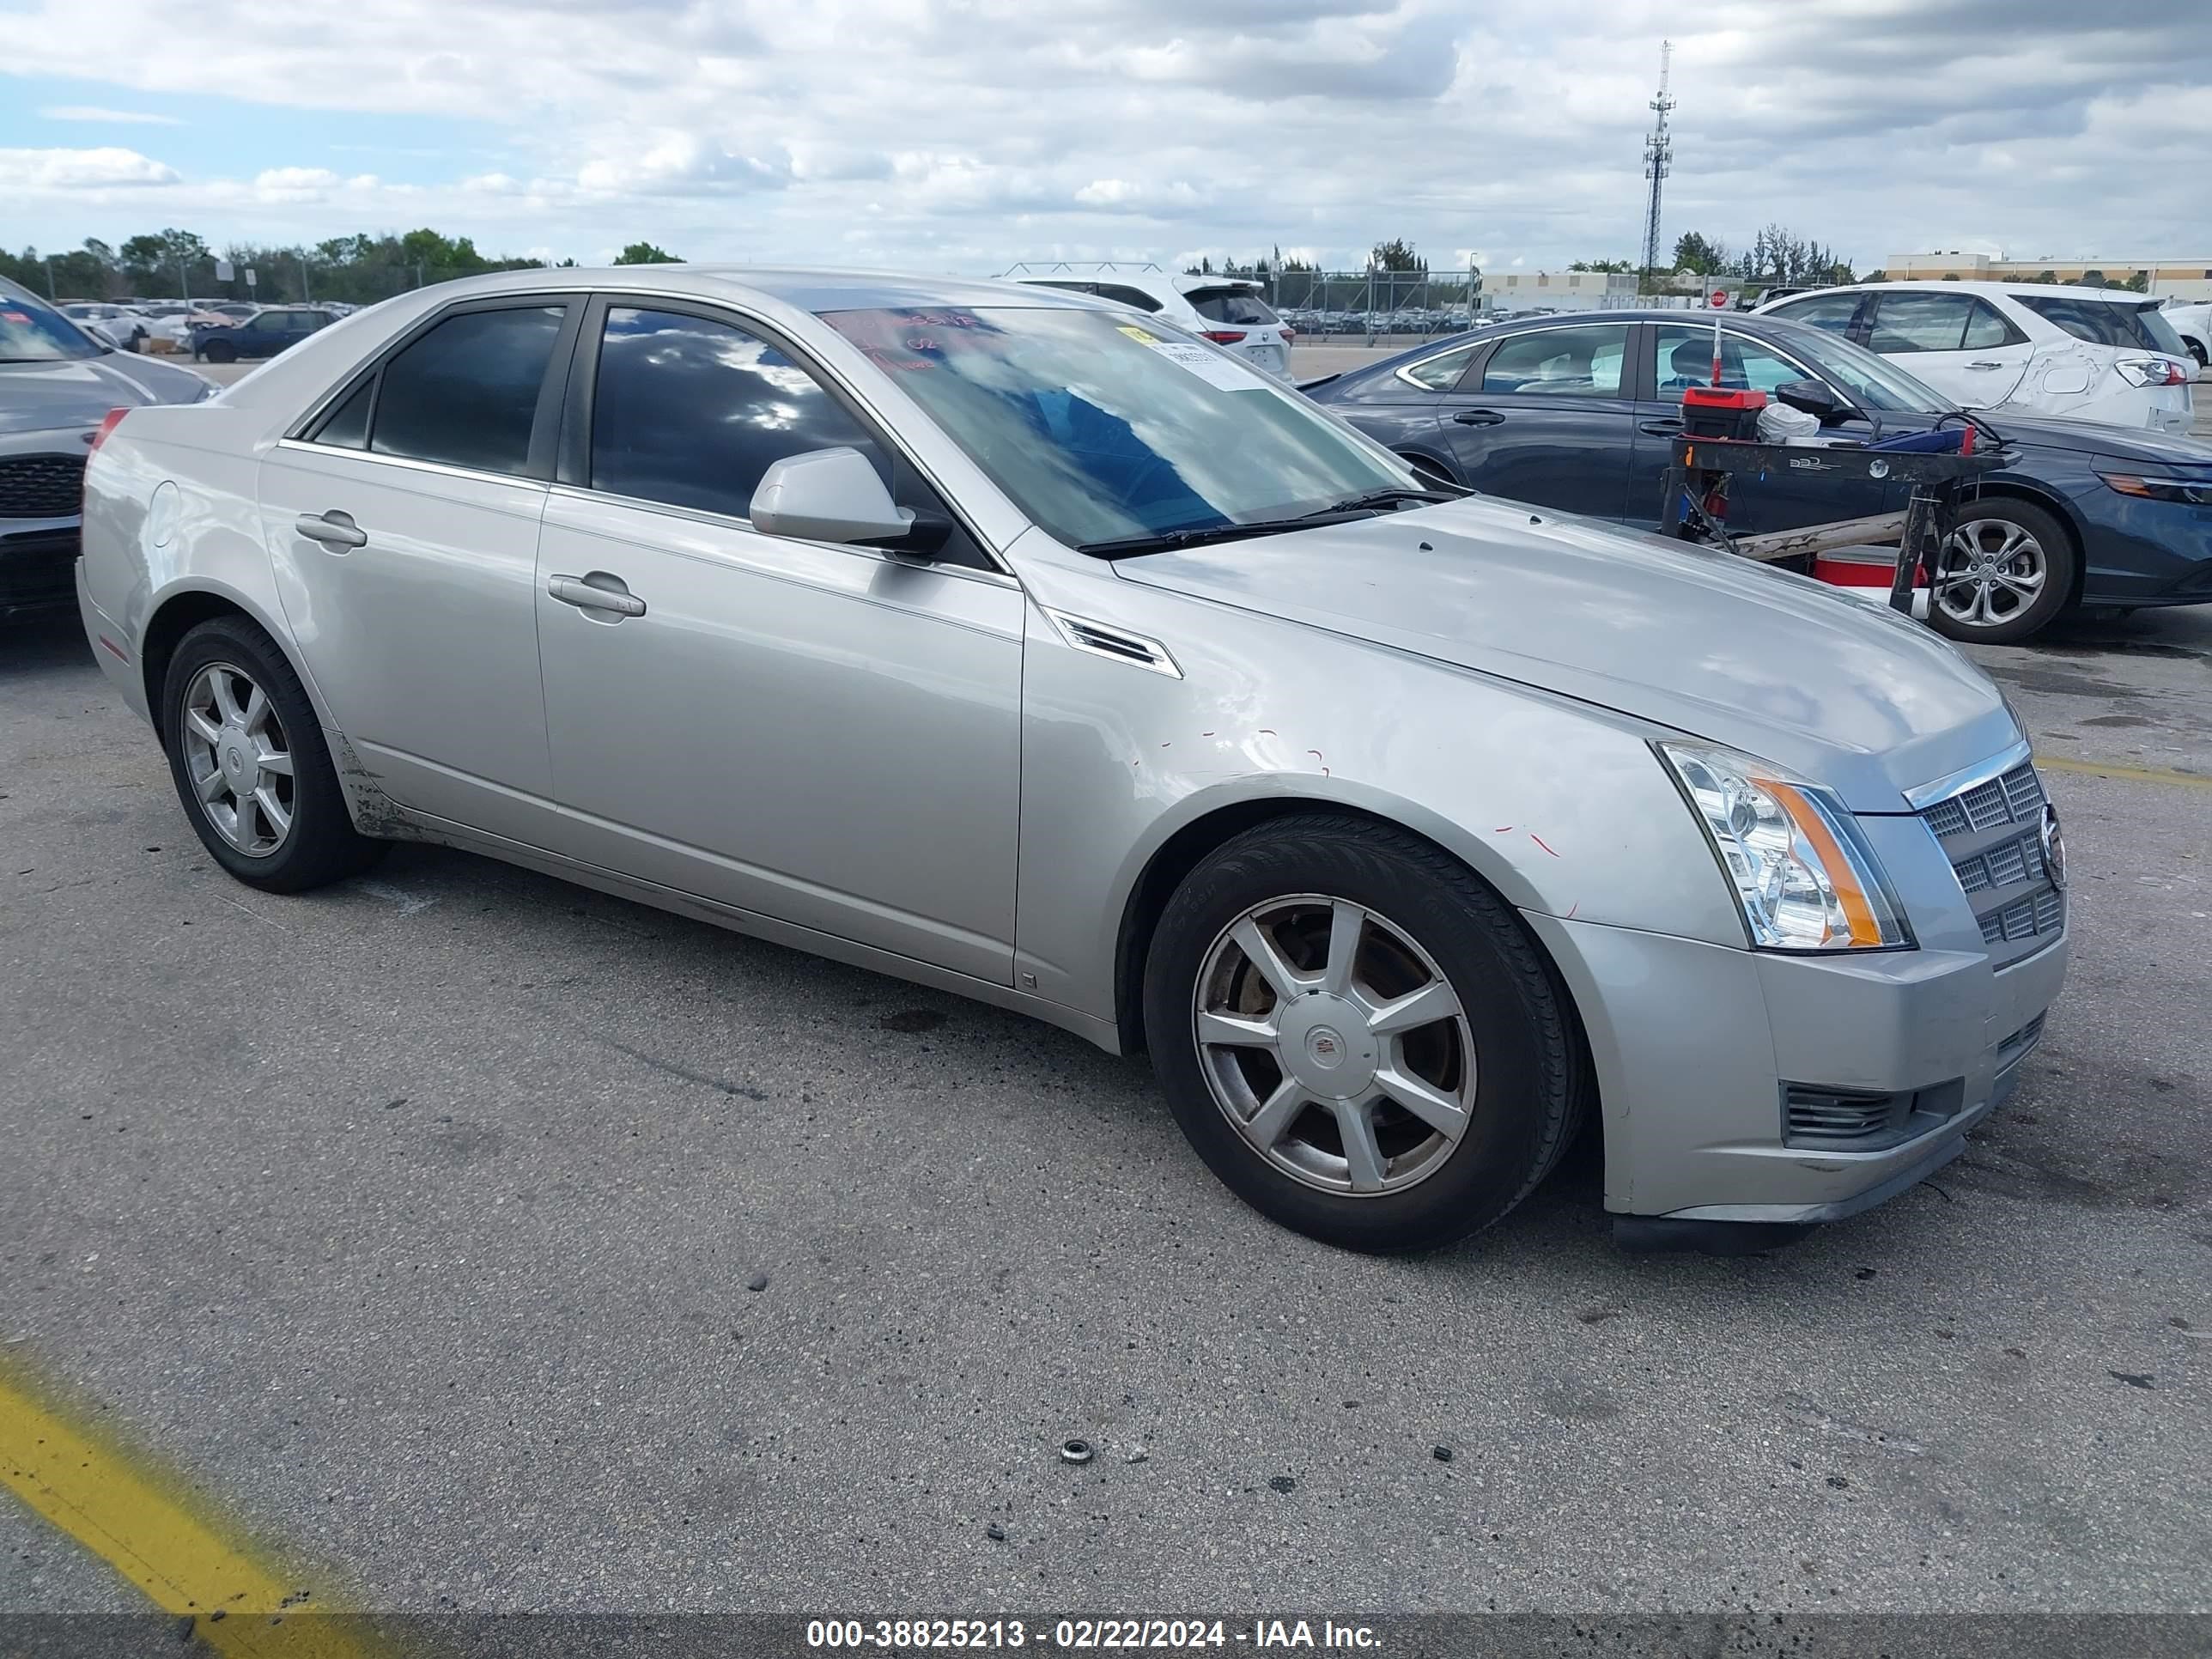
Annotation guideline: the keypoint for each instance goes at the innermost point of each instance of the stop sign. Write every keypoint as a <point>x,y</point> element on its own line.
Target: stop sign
<point>1717,298</point>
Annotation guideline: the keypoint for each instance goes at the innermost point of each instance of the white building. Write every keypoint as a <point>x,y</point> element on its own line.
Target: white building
<point>1559,290</point>
<point>2186,279</point>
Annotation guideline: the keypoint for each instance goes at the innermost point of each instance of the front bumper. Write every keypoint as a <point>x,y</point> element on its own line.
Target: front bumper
<point>38,562</point>
<point>1695,1043</point>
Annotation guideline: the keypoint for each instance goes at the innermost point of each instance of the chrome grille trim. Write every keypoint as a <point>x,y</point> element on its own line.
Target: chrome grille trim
<point>2001,874</point>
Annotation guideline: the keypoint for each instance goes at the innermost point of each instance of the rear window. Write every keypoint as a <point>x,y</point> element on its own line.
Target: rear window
<point>1117,292</point>
<point>2109,322</point>
<point>1231,305</point>
<point>31,332</point>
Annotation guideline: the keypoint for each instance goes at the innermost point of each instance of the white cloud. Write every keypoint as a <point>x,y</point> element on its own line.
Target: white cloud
<point>41,170</point>
<point>113,116</point>
<point>295,183</point>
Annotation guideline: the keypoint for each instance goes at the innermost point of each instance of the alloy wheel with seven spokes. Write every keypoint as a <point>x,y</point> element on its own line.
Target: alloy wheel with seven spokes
<point>1991,571</point>
<point>238,759</point>
<point>1334,1045</point>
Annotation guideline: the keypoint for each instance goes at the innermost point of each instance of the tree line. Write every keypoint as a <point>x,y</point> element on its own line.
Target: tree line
<point>362,269</point>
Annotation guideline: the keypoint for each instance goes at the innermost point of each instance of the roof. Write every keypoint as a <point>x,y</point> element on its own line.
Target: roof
<point>2063,291</point>
<point>805,288</point>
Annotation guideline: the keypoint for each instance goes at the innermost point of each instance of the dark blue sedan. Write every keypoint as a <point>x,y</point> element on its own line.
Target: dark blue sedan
<point>263,334</point>
<point>1579,413</point>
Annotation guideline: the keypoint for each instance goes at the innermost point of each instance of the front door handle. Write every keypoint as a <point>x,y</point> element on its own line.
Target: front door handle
<point>596,591</point>
<point>333,529</point>
<point>1479,417</point>
<point>1659,428</point>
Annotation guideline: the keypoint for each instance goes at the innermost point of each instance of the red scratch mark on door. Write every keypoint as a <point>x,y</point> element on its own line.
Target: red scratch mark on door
<point>1542,842</point>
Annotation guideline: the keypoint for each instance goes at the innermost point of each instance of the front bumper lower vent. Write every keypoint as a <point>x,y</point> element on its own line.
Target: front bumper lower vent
<point>1852,1120</point>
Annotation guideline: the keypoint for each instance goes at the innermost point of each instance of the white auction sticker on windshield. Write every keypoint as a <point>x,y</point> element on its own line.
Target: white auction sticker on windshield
<point>1210,366</point>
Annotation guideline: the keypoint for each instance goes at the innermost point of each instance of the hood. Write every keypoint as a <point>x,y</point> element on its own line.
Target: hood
<point>80,391</point>
<point>1848,694</point>
<point>2132,443</point>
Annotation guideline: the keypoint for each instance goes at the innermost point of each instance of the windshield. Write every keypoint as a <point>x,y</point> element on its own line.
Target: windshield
<point>1871,382</point>
<point>1101,429</point>
<point>33,331</point>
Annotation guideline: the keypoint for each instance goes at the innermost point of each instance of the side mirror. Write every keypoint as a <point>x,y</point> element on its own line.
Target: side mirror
<point>1812,397</point>
<point>826,495</point>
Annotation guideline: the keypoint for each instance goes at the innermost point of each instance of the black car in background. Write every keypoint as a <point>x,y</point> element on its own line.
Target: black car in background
<point>263,334</point>
<point>1579,413</point>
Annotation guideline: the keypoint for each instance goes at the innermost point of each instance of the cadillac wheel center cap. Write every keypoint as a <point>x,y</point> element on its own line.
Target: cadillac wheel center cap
<point>1326,1047</point>
<point>2054,848</point>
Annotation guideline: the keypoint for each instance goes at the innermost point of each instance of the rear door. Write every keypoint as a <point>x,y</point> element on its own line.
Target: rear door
<point>1546,419</point>
<point>1236,317</point>
<point>1959,343</point>
<point>1809,491</point>
<point>403,521</point>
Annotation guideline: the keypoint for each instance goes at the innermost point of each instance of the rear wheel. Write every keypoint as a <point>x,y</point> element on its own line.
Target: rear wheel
<point>247,756</point>
<point>2197,350</point>
<point>1357,1036</point>
<point>2004,571</point>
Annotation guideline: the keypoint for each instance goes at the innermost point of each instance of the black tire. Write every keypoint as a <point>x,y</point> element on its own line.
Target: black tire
<point>322,846</point>
<point>2061,562</point>
<point>221,351</point>
<point>2197,350</point>
<point>1529,1082</point>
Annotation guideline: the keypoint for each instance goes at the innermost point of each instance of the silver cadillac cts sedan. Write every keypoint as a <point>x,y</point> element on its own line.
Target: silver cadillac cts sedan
<point>1002,641</point>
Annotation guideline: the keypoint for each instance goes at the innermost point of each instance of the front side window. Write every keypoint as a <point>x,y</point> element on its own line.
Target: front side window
<point>1101,429</point>
<point>1907,322</point>
<point>465,393</point>
<point>1577,362</point>
<point>1685,359</point>
<point>692,412</point>
<point>1832,312</point>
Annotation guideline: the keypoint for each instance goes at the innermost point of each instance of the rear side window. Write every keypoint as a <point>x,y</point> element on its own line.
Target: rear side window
<point>1119,292</point>
<point>1231,305</point>
<point>465,393</point>
<point>1986,329</point>
<point>693,412</point>
<point>1921,322</point>
<point>2108,322</point>
<point>1832,311</point>
<point>1443,374</point>
<point>1575,362</point>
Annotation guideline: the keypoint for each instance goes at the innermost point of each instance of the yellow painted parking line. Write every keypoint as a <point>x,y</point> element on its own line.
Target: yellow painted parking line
<point>2132,774</point>
<point>139,1522</point>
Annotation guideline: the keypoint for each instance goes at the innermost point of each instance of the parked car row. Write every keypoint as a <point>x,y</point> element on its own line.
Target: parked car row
<point>1062,660</point>
<point>1580,414</point>
<point>181,324</point>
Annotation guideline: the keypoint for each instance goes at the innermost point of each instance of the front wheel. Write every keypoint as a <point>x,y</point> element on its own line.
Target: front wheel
<point>1356,1035</point>
<point>221,351</point>
<point>247,756</point>
<point>2005,570</point>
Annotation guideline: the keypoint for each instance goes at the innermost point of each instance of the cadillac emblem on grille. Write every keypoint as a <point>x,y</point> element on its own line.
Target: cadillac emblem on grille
<point>2054,848</point>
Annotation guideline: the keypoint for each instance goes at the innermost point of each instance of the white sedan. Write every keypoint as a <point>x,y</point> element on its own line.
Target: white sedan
<point>2077,353</point>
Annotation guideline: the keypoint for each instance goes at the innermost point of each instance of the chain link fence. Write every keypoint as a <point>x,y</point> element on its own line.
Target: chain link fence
<point>1372,307</point>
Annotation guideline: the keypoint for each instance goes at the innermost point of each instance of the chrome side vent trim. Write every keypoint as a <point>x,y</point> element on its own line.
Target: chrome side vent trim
<point>1115,643</point>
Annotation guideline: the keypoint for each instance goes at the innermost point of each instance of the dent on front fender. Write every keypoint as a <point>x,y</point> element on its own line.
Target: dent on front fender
<point>1563,809</point>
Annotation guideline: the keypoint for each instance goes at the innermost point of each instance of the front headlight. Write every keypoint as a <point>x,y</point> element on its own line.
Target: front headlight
<point>1806,877</point>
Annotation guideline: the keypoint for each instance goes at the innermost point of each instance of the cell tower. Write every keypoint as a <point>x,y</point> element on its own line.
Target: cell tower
<point>1658,152</point>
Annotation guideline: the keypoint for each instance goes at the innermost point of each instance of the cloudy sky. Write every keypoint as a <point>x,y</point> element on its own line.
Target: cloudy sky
<point>961,134</point>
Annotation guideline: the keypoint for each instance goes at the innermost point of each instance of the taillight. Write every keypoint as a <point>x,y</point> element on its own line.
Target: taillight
<point>1223,335</point>
<point>2151,371</point>
<point>108,423</point>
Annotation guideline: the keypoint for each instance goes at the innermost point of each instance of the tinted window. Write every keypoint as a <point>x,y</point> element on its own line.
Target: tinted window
<point>1125,295</point>
<point>347,425</point>
<point>1231,305</point>
<point>32,331</point>
<point>1920,322</point>
<point>1442,373</point>
<point>2108,322</point>
<point>467,393</point>
<point>1832,311</point>
<point>269,322</point>
<point>1685,359</point>
<point>1581,363</point>
<point>693,412</point>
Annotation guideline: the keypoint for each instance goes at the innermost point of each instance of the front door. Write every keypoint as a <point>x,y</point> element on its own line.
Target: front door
<point>1544,418</point>
<point>827,735</point>
<point>1809,491</point>
<point>403,528</point>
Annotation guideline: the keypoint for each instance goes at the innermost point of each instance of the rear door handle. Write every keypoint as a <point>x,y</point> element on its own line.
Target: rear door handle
<point>333,529</point>
<point>1984,365</point>
<point>596,591</point>
<point>1659,428</point>
<point>1479,417</point>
